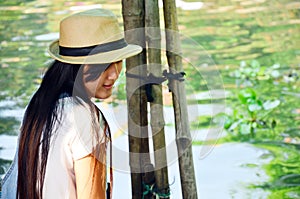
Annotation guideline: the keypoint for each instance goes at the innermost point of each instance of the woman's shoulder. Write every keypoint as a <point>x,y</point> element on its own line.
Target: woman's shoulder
<point>75,115</point>
<point>72,102</point>
<point>71,107</point>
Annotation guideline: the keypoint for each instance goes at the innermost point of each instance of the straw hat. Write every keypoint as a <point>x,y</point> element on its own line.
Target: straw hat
<point>91,37</point>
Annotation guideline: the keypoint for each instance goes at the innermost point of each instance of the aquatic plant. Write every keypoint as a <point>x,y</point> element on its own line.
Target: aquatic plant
<point>283,170</point>
<point>250,116</point>
<point>249,74</point>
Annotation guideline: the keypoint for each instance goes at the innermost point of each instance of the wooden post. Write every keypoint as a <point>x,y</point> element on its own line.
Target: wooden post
<point>183,136</point>
<point>133,17</point>
<point>153,38</point>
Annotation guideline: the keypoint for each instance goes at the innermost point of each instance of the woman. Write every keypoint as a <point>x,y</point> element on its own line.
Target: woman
<point>63,139</point>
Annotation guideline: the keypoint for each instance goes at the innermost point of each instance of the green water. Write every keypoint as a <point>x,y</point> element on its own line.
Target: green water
<point>229,31</point>
<point>242,30</point>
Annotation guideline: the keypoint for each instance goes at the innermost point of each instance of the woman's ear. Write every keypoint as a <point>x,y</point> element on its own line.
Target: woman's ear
<point>85,68</point>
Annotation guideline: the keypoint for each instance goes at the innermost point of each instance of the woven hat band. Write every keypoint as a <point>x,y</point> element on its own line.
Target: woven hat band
<point>91,50</point>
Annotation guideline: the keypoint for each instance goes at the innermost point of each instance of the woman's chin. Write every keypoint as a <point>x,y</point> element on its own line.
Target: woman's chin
<point>103,95</point>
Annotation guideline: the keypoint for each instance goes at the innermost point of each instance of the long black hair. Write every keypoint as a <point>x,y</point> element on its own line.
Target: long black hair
<point>38,123</point>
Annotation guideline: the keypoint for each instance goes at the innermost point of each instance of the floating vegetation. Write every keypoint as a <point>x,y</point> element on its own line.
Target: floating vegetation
<point>9,126</point>
<point>283,169</point>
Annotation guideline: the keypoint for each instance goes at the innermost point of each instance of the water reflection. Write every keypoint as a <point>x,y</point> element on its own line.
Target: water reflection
<point>22,56</point>
<point>233,31</point>
<point>230,31</point>
<point>26,29</point>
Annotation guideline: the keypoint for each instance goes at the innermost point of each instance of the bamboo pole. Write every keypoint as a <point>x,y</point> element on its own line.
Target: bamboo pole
<point>133,17</point>
<point>153,38</point>
<point>183,136</point>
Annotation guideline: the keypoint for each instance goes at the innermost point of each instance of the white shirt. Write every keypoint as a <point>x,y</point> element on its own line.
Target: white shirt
<point>73,140</point>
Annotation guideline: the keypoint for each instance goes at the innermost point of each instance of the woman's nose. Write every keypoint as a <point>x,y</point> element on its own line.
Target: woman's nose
<point>113,72</point>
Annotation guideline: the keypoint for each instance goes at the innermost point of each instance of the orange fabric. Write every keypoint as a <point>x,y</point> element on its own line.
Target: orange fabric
<point>90,178</point>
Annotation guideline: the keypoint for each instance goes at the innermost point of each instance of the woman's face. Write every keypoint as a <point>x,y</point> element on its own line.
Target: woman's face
<point>102,86</point>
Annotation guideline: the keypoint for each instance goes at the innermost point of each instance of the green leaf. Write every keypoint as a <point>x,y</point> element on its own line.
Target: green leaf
<point>255,64</point>
<point>254,125</point>
<point>224,119</point>
<point>243,64</point>
<point>271,104</point>
<point>228,123</point>
<point>234,125</point>
<point>275,74</point>
<point>247,71</point>
<point>245,129</point>
<point>246,94</point>
<point>254,107</point>
<point>261,72</point>
<point>276,66</point>
<point>237,74</point>
<point>235,113</point>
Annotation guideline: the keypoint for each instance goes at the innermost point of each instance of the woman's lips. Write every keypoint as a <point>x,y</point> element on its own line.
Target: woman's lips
<point>108,86</point>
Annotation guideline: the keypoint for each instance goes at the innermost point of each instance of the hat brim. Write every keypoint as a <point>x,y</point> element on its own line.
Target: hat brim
<point>100,58</point>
